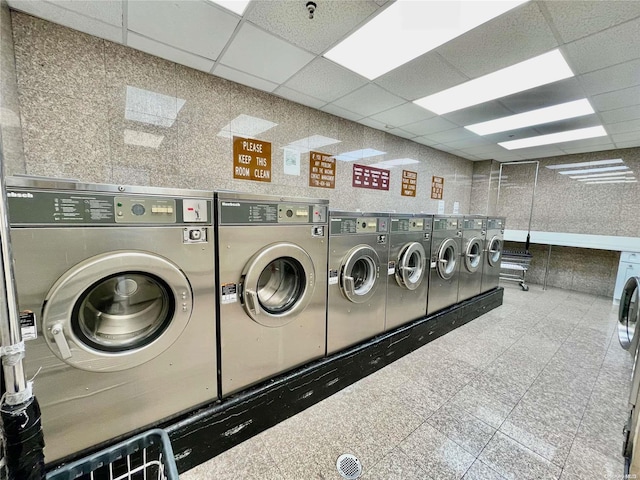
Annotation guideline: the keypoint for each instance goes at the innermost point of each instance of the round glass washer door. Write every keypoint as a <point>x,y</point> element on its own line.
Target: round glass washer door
<point>277,284</point>
<point>473,255</point>
<point>629,314</point>
<point>116,311</point>
<point>494,252</point>
<point>359,274</point>
<point>447,258</point>
<point>412,262</point>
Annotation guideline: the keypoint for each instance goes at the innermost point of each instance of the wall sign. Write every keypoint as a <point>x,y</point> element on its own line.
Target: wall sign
<point>437,187</point>
<point>251,159</point>
<point>322,170</point>
<point>370,177</point>
<point>409,182</point>
<point>291,160</point>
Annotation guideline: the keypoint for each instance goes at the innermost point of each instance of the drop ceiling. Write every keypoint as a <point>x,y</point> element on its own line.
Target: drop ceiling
<point>276,48</point>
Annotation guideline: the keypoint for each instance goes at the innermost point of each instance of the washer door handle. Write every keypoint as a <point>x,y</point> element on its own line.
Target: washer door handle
<point>349,285</point>
<point>61,341</point>
<point>252,301</point>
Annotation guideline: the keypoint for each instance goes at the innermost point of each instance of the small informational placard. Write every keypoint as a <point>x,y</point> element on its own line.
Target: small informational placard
<point>370,177</point>
<point>228,293</point>
<point>291,162</point>
<point>322,170</point>
<point>440,207</point>
<point>333,277</point>
<point>251,159</point>
<point>391,269</point>
<point>28,325</point>
<point>456,208</point>
<point>437,188</point>
<point>409,183</point>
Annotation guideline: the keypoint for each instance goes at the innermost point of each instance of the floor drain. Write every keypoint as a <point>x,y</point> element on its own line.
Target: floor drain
<point>349,466</point>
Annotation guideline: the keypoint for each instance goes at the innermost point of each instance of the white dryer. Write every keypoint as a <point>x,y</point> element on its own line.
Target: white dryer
<point>118,284</point>
<point>272,272</point>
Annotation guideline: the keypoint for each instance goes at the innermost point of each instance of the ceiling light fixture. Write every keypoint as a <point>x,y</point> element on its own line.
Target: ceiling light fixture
<point>236,6</point>
<point>594,163</point>
<point>567,136</point>
<point>562,111</point>
<point>594,170</point>
<point>598,175</point>
<point>546,68</point>
<point>599,182</point>
<point>617,177</point>
<point>408,29</point>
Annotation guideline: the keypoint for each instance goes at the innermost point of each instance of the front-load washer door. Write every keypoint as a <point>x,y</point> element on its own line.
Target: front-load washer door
<point>359,274</point>
<point>116,311</point>
<point>473,255</point>
<point>494,251</point>
<point>629,314</point>
<point>447,258</point>
<point>277,284</point>
<point>412,262</point>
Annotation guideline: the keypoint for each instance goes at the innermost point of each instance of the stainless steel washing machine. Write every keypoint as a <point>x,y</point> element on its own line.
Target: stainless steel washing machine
<point>408,282</point>
<point>446,245</point>
<point>357,283</point>
<point>473,239</point>
<point>117,297</point>
<point>492,253</point>
<point>272,271</point>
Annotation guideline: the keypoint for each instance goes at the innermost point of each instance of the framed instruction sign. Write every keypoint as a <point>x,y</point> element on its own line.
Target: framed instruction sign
<point>437,187</point>
<point>251,159</point>
<point>322,170</point>
<point>409,183</point>
<point>370,177</point>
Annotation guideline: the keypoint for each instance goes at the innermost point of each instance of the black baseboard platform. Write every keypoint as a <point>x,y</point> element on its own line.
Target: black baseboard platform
<point>210,431</point>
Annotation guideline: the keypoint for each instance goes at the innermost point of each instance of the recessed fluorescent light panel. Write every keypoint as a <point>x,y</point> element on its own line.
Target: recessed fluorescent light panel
<point>546,68</point>
<point>598,182</point>
<point>236,6</point>
<point>409,28</point>
<point>594,163</point>
<point>568,136</point>
<point>617,177</point>
<point>359,154</point>
<point>310,143</point>
<point>594,170</point>
<point>246,126</point>
<point>598,175</point>
<point>555,113</point>
<point>152,108</point>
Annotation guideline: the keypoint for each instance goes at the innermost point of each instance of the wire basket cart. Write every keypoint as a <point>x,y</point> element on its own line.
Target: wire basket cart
<point>514,266</point>
<point>147,456</point>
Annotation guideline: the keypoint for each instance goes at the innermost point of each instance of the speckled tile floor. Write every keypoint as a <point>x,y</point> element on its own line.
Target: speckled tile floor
<point>535,389</point>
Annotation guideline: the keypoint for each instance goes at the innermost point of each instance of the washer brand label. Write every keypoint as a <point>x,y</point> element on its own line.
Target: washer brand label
<point>230,204</point>
<point>28,325</point>
<point>19,195</point>
<point>228,293</point>
<point>333,277</point>
<point>391,270</point>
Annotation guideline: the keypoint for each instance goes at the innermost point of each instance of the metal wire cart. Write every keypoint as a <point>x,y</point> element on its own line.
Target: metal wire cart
<point>147,456</point>
<point>514,266</point>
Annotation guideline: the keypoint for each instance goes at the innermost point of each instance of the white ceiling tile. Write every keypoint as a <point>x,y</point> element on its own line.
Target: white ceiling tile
<point>425,141</point>
<point>429,126</point>
<point>610,47</point>
<point>403,114</point>
<point>369,122</point>
<point>341,112</point>
<point>555,93</point>
<point>197,27</point>
<point>467,143</point>
<point>298,97</point>
<point>483,150</point>
<point>577,19</point>
<point>627,144</point>
<point>169,53</point>
<point>612,78</point>
<point>325,80</point>
<point>595,148</point>
<point>622,127</point>
<point>290,20</point>
<point>478,113</point>
<point>568,124</point>
<point>398,132</point>
<point>422,76</point>
<point>627,137</point>
<point>263,55</point>
<point>452,135</point>
<point>511,38</point>
<point>540,152</point>
<point>108,12</point>
<point>244,78</point>
<point>368,100</point>
<point>69,19</point>
<point>618,99</point>
<point>621,114</point>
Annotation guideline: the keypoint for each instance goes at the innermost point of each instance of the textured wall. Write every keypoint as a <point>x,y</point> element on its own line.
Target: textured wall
<point>77,124</point>
<point>579,269</point>
<point>10,131</point>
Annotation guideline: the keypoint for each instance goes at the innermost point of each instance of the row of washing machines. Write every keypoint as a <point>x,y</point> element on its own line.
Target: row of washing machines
<point>139,304</point>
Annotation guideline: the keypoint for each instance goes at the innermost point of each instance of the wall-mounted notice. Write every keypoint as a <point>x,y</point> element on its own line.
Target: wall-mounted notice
<point>456,208</point>
<point>409,183</point>
<point>437,187</point>
<point>370,177</point>
<point>251,159</point>
<point>322,170</point>
<point>291,162</point>
<point>440,207</point>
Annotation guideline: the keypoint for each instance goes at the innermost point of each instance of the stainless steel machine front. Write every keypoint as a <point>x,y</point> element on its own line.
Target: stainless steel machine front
<point>408,282</point>
<point>116,291</point>
<point>357,282</point>
<point>492,253</point>
<point>472,256</point>
<point>446,245</point>
<point>272,259</point>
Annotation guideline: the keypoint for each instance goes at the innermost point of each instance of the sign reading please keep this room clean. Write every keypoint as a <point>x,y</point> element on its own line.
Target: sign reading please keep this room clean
<point>251,159</point>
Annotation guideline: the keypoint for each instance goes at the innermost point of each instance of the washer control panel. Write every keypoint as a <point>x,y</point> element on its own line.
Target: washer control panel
<point>145,209</point>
